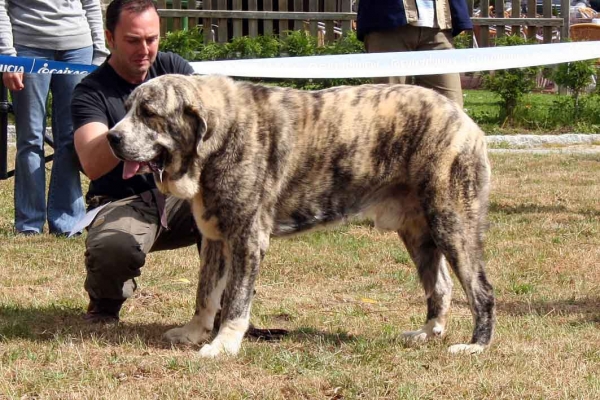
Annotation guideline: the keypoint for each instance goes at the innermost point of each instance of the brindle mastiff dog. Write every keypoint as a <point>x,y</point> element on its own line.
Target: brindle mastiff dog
<point>258,161</point>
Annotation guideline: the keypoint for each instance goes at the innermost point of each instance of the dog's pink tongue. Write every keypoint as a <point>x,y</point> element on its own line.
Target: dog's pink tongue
<point>130,168</point>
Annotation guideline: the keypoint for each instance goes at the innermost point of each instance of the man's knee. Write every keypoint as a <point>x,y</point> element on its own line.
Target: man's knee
<point>111,260</point>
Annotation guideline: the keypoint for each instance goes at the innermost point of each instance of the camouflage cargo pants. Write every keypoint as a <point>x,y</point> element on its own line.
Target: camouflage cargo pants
<point>124,232</point>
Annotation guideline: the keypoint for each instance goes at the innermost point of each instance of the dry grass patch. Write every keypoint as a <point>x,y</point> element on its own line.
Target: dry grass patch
<point>345,295</point>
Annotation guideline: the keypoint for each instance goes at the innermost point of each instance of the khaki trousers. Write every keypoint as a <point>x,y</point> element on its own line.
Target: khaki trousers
<point>124,232</point>
<point>413,38</point>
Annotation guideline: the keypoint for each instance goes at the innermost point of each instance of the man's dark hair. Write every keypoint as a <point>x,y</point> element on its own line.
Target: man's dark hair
<point>116,8</point>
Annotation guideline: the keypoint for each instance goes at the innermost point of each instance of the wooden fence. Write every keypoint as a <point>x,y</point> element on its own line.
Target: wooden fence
<point>494,19</point>
<point>234,18</point>
<point>331,18</point>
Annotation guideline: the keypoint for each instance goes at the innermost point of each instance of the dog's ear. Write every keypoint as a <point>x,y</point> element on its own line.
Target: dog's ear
<point>200,132</point>
<point>202,125</point>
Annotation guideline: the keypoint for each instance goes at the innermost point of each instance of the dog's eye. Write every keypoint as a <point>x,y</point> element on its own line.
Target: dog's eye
<point>147,113</point>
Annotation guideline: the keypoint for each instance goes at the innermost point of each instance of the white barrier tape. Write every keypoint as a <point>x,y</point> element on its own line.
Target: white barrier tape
<point>403,64</point>
<point>358,65</point>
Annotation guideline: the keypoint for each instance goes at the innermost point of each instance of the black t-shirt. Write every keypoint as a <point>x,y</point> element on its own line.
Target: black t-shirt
<point>100,97</point>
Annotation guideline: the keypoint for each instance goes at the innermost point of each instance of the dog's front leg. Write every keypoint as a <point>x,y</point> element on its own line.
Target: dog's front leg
<point>213,276</point>
<point>237,297</point>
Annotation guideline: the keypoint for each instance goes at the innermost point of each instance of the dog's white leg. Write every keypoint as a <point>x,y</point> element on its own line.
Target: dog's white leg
<point>193,332</point>
<point>438,304</point>
<point>213,276</point>
<point>237,299</point>
<point>432,329</point>
<point>229,339</point>
<point>433,272</point>
<point>466,349</point>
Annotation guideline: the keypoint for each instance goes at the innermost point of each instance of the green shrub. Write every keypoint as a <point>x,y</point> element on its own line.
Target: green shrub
<point>462,40</point>
<point>212,52</point>
<point>186,43</point>
<point>347,44</point>
<point>576,76</point>
<point>561,111</point>
<point>270,46</point>
<point>258,47</point>
<point>243,47</point>
<point>511,84</point>
<point>299,43</point>
<point>590,110</point>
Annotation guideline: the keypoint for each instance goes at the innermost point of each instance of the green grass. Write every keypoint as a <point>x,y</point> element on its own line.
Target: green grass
<point>538,113</point>
<point>345,295</point>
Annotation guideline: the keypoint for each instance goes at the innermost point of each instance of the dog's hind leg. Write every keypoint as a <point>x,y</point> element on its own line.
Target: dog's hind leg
<point>433,273</point>
<point>213,277</point>
<point>456,213</point>
<point>466,260</point>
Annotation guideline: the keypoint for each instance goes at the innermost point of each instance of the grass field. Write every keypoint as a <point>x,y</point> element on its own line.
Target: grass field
<point>537,113</point>
<point>345,295</point>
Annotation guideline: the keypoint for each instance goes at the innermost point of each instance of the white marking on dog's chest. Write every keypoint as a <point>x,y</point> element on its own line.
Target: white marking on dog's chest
<point>183,188</point>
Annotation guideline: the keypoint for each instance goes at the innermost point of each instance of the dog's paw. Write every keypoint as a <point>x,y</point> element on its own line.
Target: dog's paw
<point>429,331</point>
<point>218,349</point>
<point>185,335</point>
<point>466,349</point>
<point>415,336</point>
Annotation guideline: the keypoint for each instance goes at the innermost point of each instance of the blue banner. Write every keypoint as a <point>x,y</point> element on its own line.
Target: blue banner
<point>29,65</point>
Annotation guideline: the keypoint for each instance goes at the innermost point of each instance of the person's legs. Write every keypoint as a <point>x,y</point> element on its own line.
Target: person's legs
<point>116,247</point>
<point>447,84</point>
<point>403,38</point>
<point>29,106</point>
<point>65,199</point>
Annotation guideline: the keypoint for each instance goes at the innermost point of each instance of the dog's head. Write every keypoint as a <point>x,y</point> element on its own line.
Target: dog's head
<point>162,130</point>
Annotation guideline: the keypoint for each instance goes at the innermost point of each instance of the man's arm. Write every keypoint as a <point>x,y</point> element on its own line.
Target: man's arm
<point>93,150</point>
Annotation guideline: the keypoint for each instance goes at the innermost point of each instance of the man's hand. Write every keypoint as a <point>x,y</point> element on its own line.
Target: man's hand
<point>13,80</point>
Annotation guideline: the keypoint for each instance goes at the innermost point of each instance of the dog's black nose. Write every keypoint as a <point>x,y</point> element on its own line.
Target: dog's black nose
<point>114,138</point>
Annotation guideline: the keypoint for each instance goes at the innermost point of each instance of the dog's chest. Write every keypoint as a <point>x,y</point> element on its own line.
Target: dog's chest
<point>209,227</point>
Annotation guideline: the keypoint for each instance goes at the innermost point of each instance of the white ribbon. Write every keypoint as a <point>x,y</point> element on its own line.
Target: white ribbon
<point>404,63</point>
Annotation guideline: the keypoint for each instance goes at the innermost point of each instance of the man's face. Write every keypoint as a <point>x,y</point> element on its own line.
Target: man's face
<point>134,44</point>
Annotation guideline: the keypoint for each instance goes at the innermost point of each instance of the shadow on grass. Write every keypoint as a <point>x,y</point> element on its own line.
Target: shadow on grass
<point>587,307</point>
<point>530,208</point>
<point>321,337</point>
<point>47,323</point>
<point>60,322</point>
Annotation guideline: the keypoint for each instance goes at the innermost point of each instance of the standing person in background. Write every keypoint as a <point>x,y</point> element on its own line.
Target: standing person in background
<point>59,30</point>
<point>413,25</point>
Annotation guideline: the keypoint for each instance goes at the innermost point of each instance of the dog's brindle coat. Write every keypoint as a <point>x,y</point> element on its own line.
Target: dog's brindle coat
<point>257,161</point>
